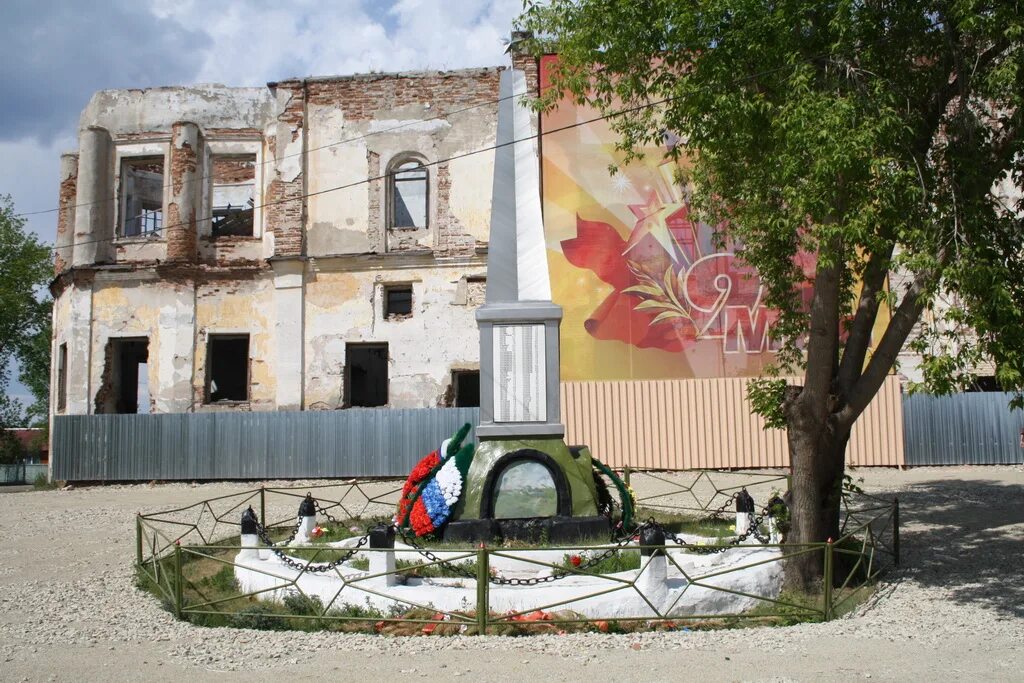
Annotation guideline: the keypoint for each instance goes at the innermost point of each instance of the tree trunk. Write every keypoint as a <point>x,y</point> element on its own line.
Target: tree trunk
<point>818,459</point>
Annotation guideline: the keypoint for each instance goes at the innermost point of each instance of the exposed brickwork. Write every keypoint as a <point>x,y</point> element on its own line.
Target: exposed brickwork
<point>65,220</point>
<point>284,200</point>
<point>234,133</point>
<point>531,67</point>
<point>235,168</point>
<point>375,218</point>
<point>364,96</point>
<point>476,291</point>
<point>180,222</point>
<point>229,252</point>
<point>144,136</point>
<point>452,237</point>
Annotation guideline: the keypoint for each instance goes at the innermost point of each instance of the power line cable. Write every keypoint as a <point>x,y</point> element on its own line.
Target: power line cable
<point>277,159</point>
<point>620,112</point>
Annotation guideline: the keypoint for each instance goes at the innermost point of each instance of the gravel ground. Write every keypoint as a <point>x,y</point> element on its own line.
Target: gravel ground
<point>954,611</point>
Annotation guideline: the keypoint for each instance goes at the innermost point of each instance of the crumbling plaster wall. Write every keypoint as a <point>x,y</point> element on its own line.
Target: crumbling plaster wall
<point>382,118</point>
<point>142,122</point>
<point>298,329</point>
<point>232,305</point>
<point>160,311</point>
<point>423,348</point>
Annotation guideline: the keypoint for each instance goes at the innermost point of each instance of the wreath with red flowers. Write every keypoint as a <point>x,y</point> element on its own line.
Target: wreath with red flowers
<point>419,473</point>
<point>411,510</point>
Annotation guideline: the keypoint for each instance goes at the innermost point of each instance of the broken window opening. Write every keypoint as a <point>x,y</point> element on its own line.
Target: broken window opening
<point>142,193</point>
<point>62,377</point>
<point>366,375</point>
<point>397,301</point>
<point>467,388</point>
<point>227,368</point>
<point>984,383</point>
<point>408,189</point>
<point>233,195</point>
<point>124,377</point>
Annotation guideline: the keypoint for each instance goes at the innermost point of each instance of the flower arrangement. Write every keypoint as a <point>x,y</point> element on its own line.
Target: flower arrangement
<point>435,486</point>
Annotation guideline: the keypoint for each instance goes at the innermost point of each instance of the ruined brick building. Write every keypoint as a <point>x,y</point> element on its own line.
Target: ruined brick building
<point>315,244</point>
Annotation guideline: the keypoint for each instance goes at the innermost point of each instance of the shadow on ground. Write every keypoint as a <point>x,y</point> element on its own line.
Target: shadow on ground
<point>967,537</point>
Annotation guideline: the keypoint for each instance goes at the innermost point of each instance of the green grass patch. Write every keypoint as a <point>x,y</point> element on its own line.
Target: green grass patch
<point>680,523</point>
<point>42,483</point>
<point>620,561</point>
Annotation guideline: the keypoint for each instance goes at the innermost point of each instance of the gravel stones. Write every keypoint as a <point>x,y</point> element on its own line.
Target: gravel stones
<point>68,581</point>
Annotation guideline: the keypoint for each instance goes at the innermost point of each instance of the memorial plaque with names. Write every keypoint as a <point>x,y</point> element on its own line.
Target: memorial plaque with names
<point>520,387</point>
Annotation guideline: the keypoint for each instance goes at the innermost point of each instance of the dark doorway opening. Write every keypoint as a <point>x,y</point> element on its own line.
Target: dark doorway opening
<point>125,377</point>
<point>467,388</point>
<point>227,368</point>
<point>366,375</point>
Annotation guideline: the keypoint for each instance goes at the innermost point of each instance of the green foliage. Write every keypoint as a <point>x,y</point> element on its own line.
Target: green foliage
<point>713,527</point>
<point>835,143</point>
<point>11,449</point>
<point>42,483</point>
<point>418,570</point>
<point>766,396</point>
<point>224,580</point>
<point>25,270</point>
<point>303,605</point>
<point>259,616</point>
<point>617,562</point>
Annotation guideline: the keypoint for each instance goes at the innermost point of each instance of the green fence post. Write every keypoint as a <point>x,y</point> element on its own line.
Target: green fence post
<point>483,577</point>
<point>896,529</point>
<point>625,475</point>
<point>263,507</point>
<point>177,580</point>
<point>828,580</point>
<point>138,539</point>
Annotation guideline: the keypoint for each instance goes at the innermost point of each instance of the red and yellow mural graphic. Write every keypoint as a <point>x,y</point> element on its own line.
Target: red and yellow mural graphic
<point>647,292</point>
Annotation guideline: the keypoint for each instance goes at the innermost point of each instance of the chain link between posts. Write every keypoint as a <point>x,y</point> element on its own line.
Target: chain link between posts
<point>307,566</point>
<point>459,570</point>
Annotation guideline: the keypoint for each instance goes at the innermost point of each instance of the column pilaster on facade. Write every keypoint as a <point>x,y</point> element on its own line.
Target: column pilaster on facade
<point>64,243</point>
<point>187,188</point>
<point>289,298</point>
<point>94,213</point>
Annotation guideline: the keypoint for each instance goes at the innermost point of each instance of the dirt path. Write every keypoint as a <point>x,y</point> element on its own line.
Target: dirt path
<point>955,610</point>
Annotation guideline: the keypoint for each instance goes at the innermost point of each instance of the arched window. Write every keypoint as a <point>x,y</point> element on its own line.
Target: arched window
<point>407,186</point>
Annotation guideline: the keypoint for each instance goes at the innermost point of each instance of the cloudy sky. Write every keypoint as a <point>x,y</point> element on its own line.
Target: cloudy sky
<point>55,53</point>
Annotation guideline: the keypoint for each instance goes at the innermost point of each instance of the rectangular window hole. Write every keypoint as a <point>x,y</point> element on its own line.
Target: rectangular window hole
<point>467,388</point>
<point>142,196</point>
<point>233,199</point>
<point>366,375</point>
<point>227,368</point>
<point>397,301</point>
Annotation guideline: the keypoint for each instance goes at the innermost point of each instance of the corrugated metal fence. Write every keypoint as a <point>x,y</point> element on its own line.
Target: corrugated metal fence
<point>707,424</point>
<point>962,429</point>
<point>286,445</point>
<point>668,424</point>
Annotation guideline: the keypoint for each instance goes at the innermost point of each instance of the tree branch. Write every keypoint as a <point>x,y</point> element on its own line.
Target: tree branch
<point>884,357</point>
<point>856,347</point>
<point>823,342</point>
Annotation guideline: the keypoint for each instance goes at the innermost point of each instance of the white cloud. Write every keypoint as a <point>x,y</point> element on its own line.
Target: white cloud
<point>234,42</point>
<point>30,172</point>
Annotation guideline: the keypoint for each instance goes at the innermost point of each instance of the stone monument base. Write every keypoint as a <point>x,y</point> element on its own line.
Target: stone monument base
<point>554,530</point>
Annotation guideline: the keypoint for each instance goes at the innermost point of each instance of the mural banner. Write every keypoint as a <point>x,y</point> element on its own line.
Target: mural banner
<point>647,292</point>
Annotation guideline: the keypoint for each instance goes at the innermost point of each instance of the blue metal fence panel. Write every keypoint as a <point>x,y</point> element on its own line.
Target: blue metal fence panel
<point>259,445</point>
<point>962,429</point>
<point>21,473</point>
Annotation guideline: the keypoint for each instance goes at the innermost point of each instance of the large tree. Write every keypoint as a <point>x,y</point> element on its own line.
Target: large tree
<point>25,270</point>
<point>883,139</point>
